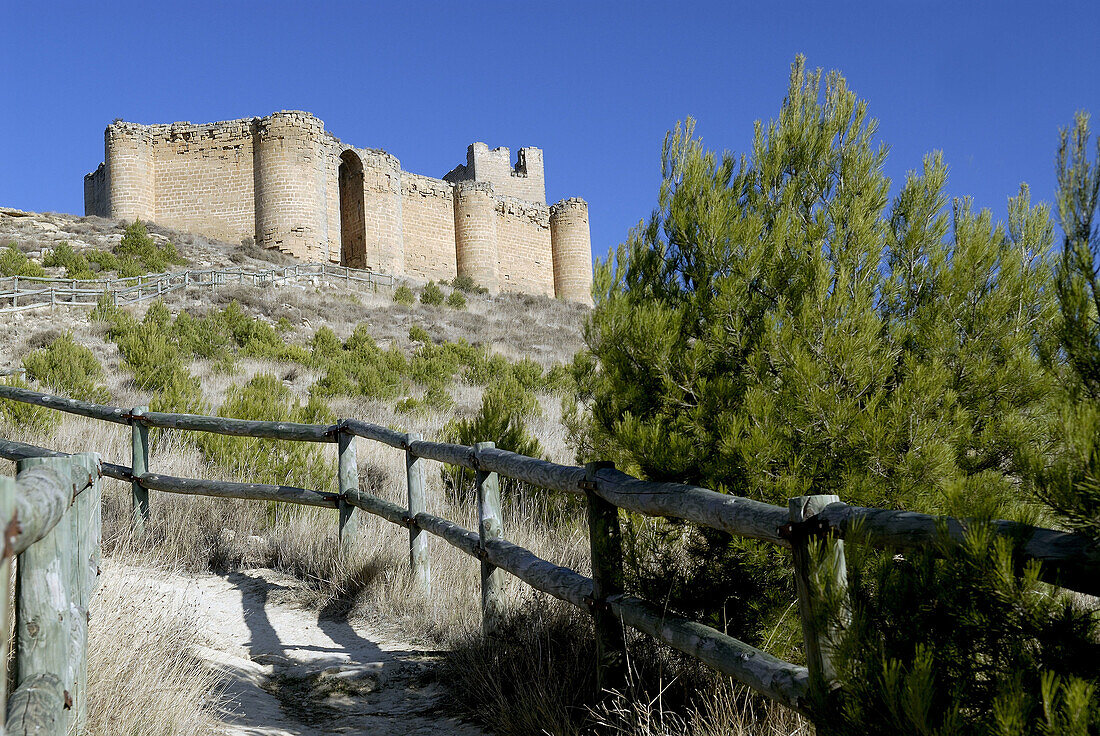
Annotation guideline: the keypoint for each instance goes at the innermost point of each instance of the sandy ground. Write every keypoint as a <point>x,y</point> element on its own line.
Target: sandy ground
<point>295,672</point>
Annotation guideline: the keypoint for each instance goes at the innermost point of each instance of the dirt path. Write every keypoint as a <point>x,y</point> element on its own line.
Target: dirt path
<point>293,672</point>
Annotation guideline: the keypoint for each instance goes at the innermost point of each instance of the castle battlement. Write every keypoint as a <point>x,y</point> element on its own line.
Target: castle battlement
<point>290,184</point>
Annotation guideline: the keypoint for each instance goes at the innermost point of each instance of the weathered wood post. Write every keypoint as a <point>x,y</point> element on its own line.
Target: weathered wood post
<point>810,575</point>
<point>45,614</point>
<point>606,544</point>
<point>349,482</point>
<point>7,514</point>
<point>418,539</point>
<point>140,466</point>
<point>490,526</point>
<point>84,520</point>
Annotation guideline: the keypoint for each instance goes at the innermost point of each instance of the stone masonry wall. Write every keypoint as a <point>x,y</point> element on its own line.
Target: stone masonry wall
<point>204,179</point>
<point>572,250</point>
<point>428,227</point>
<point>524,255</point>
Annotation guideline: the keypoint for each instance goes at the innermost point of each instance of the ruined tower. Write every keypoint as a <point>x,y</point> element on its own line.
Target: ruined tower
<point>572,250</point>
<point>476,233</point>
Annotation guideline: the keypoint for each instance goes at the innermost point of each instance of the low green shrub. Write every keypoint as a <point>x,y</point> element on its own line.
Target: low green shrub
<point>502,420</point>
<point>466,284</point>
<point>14,262</point>
<point>438,398</point>
<point>76,265</point>
<point>404,295</point>
<point>358,367</point>
<point>435,365</point>
<point>138,246</point>
<point>69,368</point>
<point>419,334</point>
<point>265,397</point>
<point>31,420</point>
<point>409,405</point>
<point>324,346</point>
<point>431,295</point>
<point>488,368</point>
<point>456,300</point>
<point>559,380</point>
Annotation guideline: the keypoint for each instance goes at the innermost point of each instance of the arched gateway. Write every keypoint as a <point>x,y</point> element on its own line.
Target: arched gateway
<point>353,236</point>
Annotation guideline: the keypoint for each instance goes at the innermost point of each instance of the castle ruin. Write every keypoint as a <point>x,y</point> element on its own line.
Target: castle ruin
<point>287,182</point>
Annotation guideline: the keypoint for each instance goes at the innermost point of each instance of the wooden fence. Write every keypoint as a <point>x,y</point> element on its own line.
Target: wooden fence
<point>51,517</point>
<point>19,293</point>
<point>1068,560</point>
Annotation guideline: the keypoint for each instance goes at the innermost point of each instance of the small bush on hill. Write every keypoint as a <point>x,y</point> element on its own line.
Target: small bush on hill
<point>358,367</point>
<point>403,295</point>
<point>137,245</point>
<point>456,300</point>
<point>488,368</point>
<point>501,419</point>
<point>14,262</point>
<point>419,334</point>
<point>269,461</point>
<point>65,366</point>
<point>431,295</point>
<point>76,265</point>
<point>466,284</point>
<point>27,418</point>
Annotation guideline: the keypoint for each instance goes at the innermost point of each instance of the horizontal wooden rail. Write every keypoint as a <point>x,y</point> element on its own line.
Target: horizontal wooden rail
<point>374,432</point>
<point>1068,559</point>
<point>241,427</point>
<point>70,406</point>
<point>226,489</point>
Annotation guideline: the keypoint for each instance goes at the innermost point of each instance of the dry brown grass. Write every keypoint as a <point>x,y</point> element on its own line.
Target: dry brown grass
<point>540,683</point>
<point>144,676</point>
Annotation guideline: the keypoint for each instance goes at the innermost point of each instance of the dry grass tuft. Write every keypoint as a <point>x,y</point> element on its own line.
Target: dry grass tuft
<point>144,675</point>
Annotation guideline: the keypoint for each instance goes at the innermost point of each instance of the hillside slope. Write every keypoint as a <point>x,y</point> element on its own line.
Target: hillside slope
<point>499,336</point>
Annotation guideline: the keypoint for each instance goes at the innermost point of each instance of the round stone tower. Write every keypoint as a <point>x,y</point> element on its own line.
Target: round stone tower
<point>476,233</point>
<point>289,184</point>
<point>131,171</point>
<point>571,245</point>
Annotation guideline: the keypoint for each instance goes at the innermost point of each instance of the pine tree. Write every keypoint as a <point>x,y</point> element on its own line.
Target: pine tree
<point>1072,481</point>
<point>778,327</point>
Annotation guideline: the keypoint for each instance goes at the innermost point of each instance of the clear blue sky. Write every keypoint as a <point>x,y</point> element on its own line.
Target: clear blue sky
<point>596,85</point>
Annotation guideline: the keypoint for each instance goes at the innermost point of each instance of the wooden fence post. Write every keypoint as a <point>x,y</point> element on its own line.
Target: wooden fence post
<point>45,613</point>
<point>810,575</point>
<point>418,539</point>
<point>84,520</point>
<point>349,481</point>
<point>7,512</point>
<point>140,466</point>
<point>490,526</point>
<point>606,544</point>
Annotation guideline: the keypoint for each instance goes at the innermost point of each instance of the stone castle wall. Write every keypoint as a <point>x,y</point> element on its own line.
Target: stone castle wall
<point>291,185</point>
